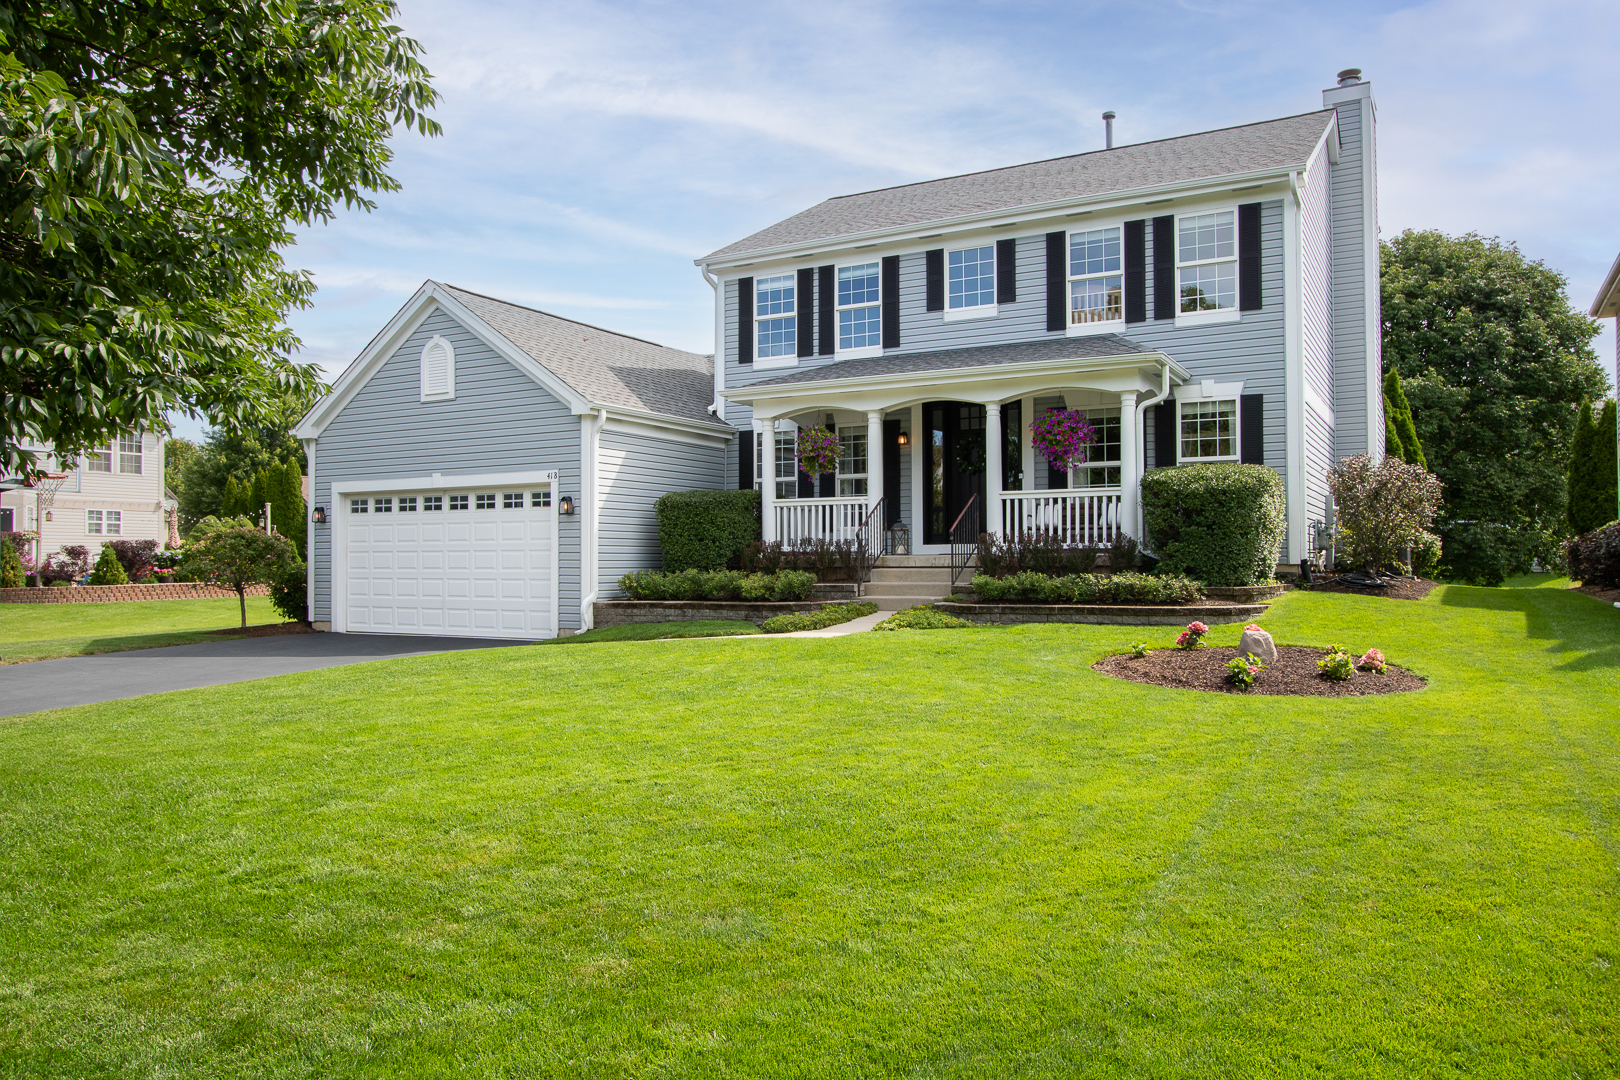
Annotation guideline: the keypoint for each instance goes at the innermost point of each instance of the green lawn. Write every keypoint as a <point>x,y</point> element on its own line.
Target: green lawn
<point>43,631</point>
<point>925,854</point>
<point>660,631</point>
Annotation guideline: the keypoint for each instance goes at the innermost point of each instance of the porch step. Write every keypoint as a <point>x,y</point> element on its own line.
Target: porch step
<point>893,562</point>
<point>936,589</point>
<point>912,573</point>
<point>901,603</point>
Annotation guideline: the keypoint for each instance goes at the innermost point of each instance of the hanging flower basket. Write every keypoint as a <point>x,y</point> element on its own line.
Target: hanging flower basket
<point>819,451</point>
<point>1061,437</point>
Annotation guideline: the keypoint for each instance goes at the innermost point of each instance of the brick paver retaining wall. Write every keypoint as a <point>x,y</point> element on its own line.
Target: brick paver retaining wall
<point>100,594</point>
<point>624,612</point>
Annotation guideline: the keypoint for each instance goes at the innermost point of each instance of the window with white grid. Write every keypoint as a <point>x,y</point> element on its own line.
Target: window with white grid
<point>1096,277</point>
<point>99,459</point>
<point>852,461</point>
<point>859,310</point>
<point>1209,430</point>
<point>1102,456</point>
<point>776,316</point>
<point>1206,261</point>
<point>972,275</point>
<point>129,454</point>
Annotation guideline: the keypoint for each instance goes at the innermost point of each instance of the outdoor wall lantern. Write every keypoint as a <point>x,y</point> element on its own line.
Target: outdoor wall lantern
<point>320,515</point>
<point>904,439</point>
<point>899,539</point>
<point>565,506</point>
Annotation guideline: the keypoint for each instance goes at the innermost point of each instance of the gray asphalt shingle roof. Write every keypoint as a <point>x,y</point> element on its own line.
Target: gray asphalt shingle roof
<point>1081,348</point>
<point>1267,145</point>
<point>604,367</point>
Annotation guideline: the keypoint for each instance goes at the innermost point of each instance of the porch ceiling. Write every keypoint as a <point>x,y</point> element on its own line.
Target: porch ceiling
<point>1107,362</point>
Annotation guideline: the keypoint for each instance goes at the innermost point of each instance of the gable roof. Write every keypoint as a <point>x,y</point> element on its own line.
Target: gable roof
<point>1273,144</point>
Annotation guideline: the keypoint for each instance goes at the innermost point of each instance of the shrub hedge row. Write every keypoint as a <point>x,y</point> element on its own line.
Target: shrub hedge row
<point>1594,557</point>
<point>717,585</point>
<point>831,615</point>
<point>1222,524</point>
<point>1126,588</point>
<point>706,530</point>
<point>922,618</point>
<point>1044,553</point>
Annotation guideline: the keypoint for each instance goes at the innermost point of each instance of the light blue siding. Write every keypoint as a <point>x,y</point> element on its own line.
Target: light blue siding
<point>500,421</point>
<point>1359,414</point>
<point>1316,329</point>
<point>635,471</point>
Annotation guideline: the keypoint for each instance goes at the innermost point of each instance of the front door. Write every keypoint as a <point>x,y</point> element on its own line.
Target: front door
<point>953,470</point>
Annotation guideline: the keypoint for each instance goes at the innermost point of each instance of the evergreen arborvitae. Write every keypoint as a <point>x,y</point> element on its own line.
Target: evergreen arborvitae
<point>1399,410</point>
<point>1392,438</point>
<point>11,571</point>
<point>231,500</point>
<point>1605,458</point>
<point>1583,510</point>
<point>108,571</point>
<point>286,498</point>
<point>257,496</point>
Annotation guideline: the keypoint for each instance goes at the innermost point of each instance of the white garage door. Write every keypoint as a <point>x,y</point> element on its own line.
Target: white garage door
<point>458,563</point>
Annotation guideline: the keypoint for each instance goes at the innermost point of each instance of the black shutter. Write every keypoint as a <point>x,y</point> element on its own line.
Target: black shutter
<point>745,461</point>
<point>1006,271</point>
<point>1165,429</point>
<point>1164,267</point>
<point>807,486</point>
<point>1249,257</point>
<point>829,485</point>
<point>801,308</point>
<point>745,320</point>
<point>1252,429</point>
<point>891,471</point>
<point>824,309</point>
<point>889,284</point>
<point>1056,276</point>
<point>934,275</point>
<point>1136,270</point>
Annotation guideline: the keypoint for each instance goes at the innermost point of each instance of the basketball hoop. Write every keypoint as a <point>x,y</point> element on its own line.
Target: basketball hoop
<point>45,485</point>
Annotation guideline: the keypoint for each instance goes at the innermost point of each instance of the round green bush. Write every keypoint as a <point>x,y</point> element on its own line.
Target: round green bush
<point>706,530</point>
<point>1222,524</point>
<point>108,571</point>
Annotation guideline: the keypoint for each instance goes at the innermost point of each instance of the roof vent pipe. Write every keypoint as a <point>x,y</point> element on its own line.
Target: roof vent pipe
<point>1349,76</point>
<point>1108,128</point>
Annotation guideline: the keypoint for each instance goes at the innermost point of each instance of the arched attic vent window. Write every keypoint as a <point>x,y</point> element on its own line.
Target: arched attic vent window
<point>438,370</point>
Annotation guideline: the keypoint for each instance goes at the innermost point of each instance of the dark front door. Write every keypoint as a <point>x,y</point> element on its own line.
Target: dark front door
<point>953,470</point>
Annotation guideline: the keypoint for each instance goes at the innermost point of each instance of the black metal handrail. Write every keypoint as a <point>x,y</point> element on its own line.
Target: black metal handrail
<point>965,532</point>
<point>866,553</point>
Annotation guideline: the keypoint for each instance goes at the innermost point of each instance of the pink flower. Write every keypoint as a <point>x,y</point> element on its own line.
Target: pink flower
<point>1198,628</point>
<point>1251,626</point>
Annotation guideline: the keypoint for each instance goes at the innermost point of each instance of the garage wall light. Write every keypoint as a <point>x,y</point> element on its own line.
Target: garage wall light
<point>320,515</point>
<point>565,506</point>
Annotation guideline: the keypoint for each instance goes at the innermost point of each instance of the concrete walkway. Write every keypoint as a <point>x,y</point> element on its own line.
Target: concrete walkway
<point>84,680</point>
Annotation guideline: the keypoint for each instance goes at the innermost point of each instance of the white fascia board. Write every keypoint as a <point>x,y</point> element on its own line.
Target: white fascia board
<point>1608,297</point>
<point>444,482</point>
<point>718,429</point>
<point>1005,216</point>
<point>404,323</point>
<point>652,427</point>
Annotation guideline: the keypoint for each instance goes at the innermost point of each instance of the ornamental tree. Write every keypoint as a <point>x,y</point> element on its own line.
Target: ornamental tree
<point>154,158</point>
<point>236,558</point>
<point>1383,508</point>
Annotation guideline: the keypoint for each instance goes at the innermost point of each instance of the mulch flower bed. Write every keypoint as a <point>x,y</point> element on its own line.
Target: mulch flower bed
<point>1401,588</point>
<point>1293,675</point>
<point>1608,596</point>
<point>266,630</point>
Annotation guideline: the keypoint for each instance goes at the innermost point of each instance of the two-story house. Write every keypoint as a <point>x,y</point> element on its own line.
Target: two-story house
<point>113,493</point>
<point>486,469</point>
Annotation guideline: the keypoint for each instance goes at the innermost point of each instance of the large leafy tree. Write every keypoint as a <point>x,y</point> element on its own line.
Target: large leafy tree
<point>1494,361</point>
<point>154,155</point>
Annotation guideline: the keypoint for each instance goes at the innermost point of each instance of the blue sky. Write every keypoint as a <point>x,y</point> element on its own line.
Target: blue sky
<point>591,151</point>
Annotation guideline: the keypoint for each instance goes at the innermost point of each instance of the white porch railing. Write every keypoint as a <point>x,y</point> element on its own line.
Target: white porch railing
<point>819,519</point>
<point>1083,516</point>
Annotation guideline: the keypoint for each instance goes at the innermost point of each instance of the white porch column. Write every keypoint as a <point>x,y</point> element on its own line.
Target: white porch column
<point>767,479</point>
<point>874,469</point>
<point>992,468</point>
<point>1130,465</point>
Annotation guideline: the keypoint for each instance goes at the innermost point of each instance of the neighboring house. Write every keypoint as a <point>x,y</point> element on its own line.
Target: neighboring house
<point>1206,298</point>
<point>1607,306</point>
<point>447,458</point>
<point>113,493</point>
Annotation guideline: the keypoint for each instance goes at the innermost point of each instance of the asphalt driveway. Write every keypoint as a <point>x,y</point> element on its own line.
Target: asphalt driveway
<point>84,680</point>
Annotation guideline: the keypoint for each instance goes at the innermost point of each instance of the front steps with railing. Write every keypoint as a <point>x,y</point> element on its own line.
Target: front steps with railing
<point>904,581</point>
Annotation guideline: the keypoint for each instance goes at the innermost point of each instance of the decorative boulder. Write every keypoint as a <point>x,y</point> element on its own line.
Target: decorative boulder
<point>1256,642</point>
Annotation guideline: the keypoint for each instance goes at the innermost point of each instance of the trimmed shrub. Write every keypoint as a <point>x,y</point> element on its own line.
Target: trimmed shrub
<point>831,615</point>
<point>829,560</point>
<point>786,585</point>
<point>1126,588</point>
<point>108,571</point>
<point>1222,524</point>
<point>1042,552</point>
<point>706,530</point>
<point>922,618</point>
<point>289,593</point>
<point>11,569</point>
<point>1594,559</point>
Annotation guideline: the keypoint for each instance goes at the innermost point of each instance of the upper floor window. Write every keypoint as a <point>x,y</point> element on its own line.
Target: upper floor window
<point>99,459</point>
<point>775,317</point>
<point>973,277</point>
<point>1209,430</point>
<point>104,522</point>
<point>129,454</point>
<point>1206,262</point>
<point>1096,278</point>
<point>859,310</point>
<point>852,461</point>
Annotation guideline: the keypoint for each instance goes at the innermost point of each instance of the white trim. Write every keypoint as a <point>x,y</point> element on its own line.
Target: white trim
<point>449,392</point>
<point>775,362</point>
<point>840,353</point>
<point>1111,326</point>
<point>441,482</point>
<point>642,428</point>
<point>983,311</point>
<point>1233,313</point>
<point>1209,390</point>
<point>1114,326</point>
<point>1294,371</point>
<point>309,530</point>
<point>1208,318</point>
<point>1319,404</point>
<point>861,353</point>
<point>1237,427</point>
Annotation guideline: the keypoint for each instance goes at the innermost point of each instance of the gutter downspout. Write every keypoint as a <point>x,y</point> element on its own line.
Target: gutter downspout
<point>719,406</point>
<point>589,554</point>
<point>1142,405</point>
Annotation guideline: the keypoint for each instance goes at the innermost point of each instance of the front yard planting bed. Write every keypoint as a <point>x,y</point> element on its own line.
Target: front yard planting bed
<point>1104,614</point>
<point>1294,673</point>
<point>1401,588</point>
<point>624,612</point>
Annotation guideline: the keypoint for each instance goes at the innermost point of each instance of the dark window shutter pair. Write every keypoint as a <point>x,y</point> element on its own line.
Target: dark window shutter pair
<point>1249,257</point>
<point>1006,271</point>
<point>1136,270</point>
<point>1057,275</point>
<point>745,461</point>
<point>745,320</point>
<point>1164,267</point>
<point>1252,429</point>
<point>889,293</point>
<point>801,308</point>
<point>825,311</point>
<point>1166,432</point>
<point>934,279</point>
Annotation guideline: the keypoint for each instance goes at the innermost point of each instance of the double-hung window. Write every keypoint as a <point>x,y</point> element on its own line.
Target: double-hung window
<point>99,459</point>
<point>859,307</point>
<point>972,278</point>
<point>1096,279</point>
<point>776,317</point>
<point>129,454</point>
<point>1209,430</point>
<point>1102,456</point>
<point>104,522</point>
<point>1206,262</point>
<point>852,461</point>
